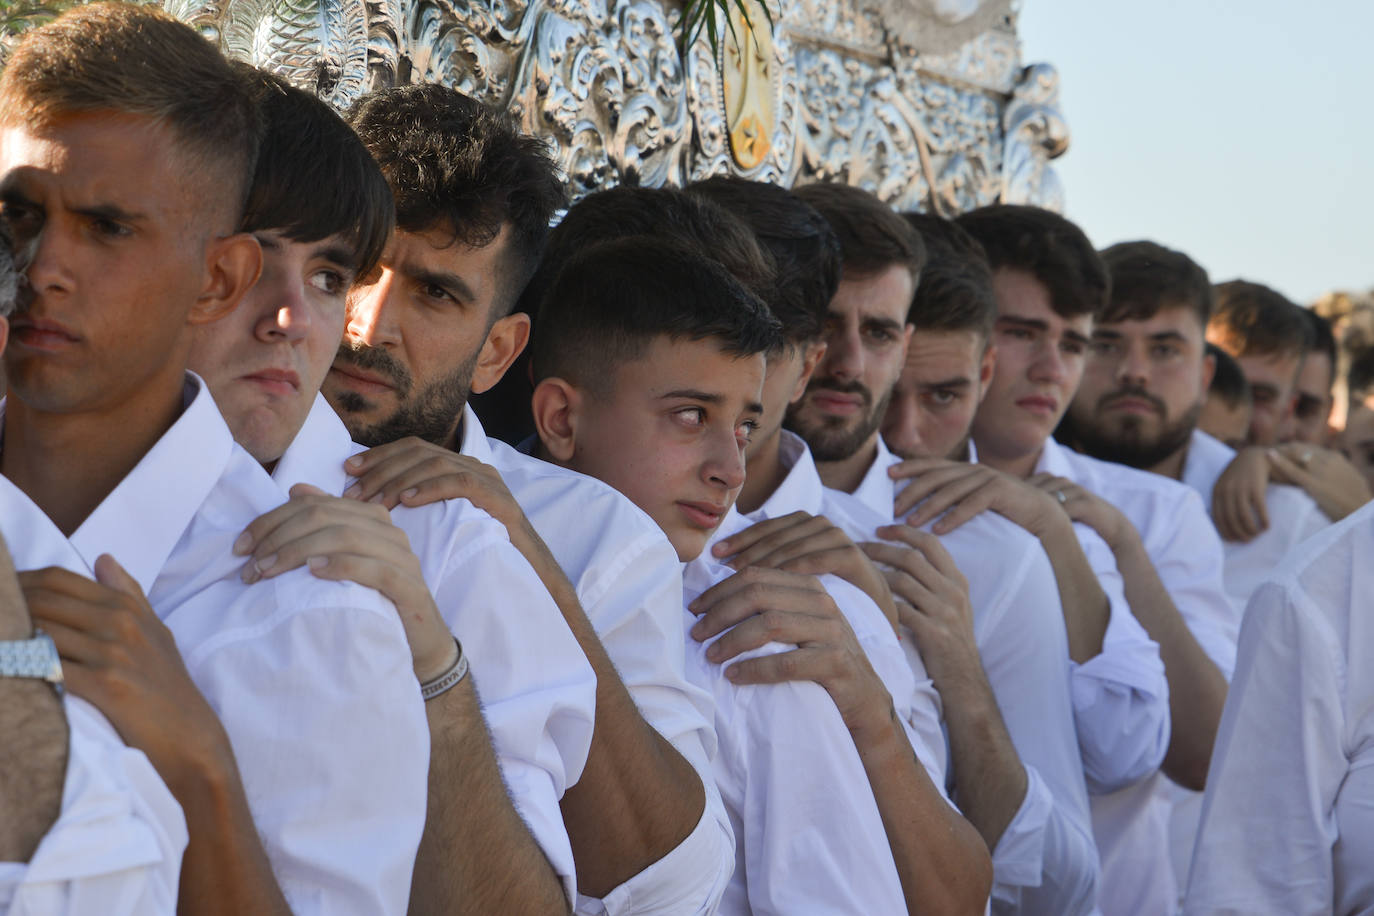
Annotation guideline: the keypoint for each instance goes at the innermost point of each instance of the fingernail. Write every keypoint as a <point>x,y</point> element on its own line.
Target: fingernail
<point>720,548</point>
<point>243,544</point>
<point>732,674</point>
<point>697,630</point>
<point>378,498</point>
<point>249,574</point>
<point>409,494</point>
<point>266,563</point>
<point>353,491</point>
<point>317,562</point>
<point>355,462</point>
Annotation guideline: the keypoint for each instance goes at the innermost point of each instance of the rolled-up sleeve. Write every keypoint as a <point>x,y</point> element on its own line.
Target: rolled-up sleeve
<point>117,844</point>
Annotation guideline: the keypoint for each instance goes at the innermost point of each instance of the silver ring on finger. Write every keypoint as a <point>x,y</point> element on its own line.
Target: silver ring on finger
<point>1059,495</point>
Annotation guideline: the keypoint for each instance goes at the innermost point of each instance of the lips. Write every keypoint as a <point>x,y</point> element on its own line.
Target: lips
<point>361,380</point>
<point>1039,404</point>
<point>1132,405</point>
<point>277,381</point>
<point>837,402</point>
<point>706,516</point>
<point>41,334</point>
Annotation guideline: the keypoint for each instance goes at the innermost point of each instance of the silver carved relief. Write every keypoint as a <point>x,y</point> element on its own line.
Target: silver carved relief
<point>834,90</point>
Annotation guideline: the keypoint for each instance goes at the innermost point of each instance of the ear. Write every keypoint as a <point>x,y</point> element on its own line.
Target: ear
<point>1209,369</point>
<point>232,265</point>
<point>505,341</point>
<point>556,405</point>
<point>811,358</point>
<point>987,368</point>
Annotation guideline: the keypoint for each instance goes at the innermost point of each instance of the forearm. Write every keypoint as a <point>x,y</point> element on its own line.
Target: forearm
<point>33,749</point>
<point>1086,606</point>
<point>476,855</point>
<point>638,798</point>
<point>225,869</point>
<point>942,862</point>
<point>33,764</point>
<point>1197,689</point>
<point>990,782</point>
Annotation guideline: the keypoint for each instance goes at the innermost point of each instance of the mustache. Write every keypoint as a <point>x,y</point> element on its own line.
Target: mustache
<point>1136,393</point>
<point>375,359</point>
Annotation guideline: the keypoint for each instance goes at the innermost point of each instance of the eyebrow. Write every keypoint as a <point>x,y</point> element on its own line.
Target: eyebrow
<point>442,278</point>
<point>947,383</point>
<point>1108,334</point>
<point>1076,336</point>
<point>337,254</point>
<point>1030,324</point>
<point>112,212</point>
<point>706,397</point>
<point>1261,388</point>
<point>885,323</point>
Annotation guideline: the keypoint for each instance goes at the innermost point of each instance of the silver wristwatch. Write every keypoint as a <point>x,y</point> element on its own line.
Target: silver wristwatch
<point>36,658</point>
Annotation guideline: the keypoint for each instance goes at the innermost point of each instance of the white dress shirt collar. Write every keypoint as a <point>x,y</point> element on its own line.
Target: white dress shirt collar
<point>473,442</point>
<point>877,490</point>
<point>312,457</point>
<point>186,462</point>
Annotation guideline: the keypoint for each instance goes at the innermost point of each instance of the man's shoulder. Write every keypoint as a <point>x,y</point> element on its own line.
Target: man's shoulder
<point>1114,481</point>
<point>584,521</point>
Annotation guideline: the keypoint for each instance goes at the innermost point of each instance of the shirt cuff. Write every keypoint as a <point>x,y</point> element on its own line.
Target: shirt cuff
<point>1019,859</point>
<point>689,880</point>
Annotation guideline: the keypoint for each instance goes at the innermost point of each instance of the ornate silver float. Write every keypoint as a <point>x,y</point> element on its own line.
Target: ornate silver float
<point>924,102</point>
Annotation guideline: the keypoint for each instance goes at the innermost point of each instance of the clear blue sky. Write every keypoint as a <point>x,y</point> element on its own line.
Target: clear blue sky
<point>1239,131</point>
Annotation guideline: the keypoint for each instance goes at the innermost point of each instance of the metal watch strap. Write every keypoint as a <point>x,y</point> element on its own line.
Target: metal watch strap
<point>36,658</point>
<point>449,679</point>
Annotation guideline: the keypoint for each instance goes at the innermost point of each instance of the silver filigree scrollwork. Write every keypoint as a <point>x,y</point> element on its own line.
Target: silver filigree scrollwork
<point>1036,132</point>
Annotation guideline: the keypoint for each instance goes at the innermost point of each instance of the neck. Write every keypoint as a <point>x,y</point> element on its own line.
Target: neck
<point>764,473</point>
<point>69,463</point>
<point>1173,465</point>
<point>1017,465</point>
<point>847,473</point>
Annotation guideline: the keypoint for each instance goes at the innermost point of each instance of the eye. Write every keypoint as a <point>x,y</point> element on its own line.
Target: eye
<point>436,293</point>
<point>746,430</point>
<point>1016,333</point>
<point>691,416</point>
<point>107,228</point>
<point>941,397</point>
<point>1105,347</point>
<point>1164,351</point>
<point>1072,347</point>
<point>879,334</point>
<point>329,282</point>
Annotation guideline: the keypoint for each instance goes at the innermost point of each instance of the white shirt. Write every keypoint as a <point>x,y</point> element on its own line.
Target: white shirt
<point>1288,821</point>
<point>629,582</point>
<point>1133,824</point>
<point>1120,696</point>
<point>537,690</point>
<point>1045,860</point>
<point>312,680</point>
<point>808,834</point>
<point>1293,518</point>
<point>117,843</point>
<point>914,696</point>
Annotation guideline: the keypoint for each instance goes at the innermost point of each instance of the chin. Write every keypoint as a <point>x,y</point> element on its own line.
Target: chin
<point>688,544</point>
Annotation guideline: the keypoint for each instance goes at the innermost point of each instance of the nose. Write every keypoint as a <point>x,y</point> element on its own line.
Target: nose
<point>284,313</point>
<point>47,268</point>
<point>901,424</point>
<point>843,354</point>
<point>724,464</point>
<point>371,313</point>
<point>1133,370</point>
<point>1048,365</point>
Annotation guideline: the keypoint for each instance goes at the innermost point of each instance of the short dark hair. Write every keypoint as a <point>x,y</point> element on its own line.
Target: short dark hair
<point>140,60</point>
<point>1147,277</point>
<point>1250,319</point>
<point>805,249</point>
<point>955,292</point>
<point>1048,247</point>
<point>456,164</point>
<point>1228,381</point>
<point>1359,378</point>
<point>1322,339</point>
<point>872,236</point>
<point>667,213</point>
<point>315,179</point>
<point>612,300</point>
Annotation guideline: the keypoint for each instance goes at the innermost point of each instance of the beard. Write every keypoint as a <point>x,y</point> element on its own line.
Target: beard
<point>1129,443</point>
<point>429,413</point>
<point>837,438</point>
